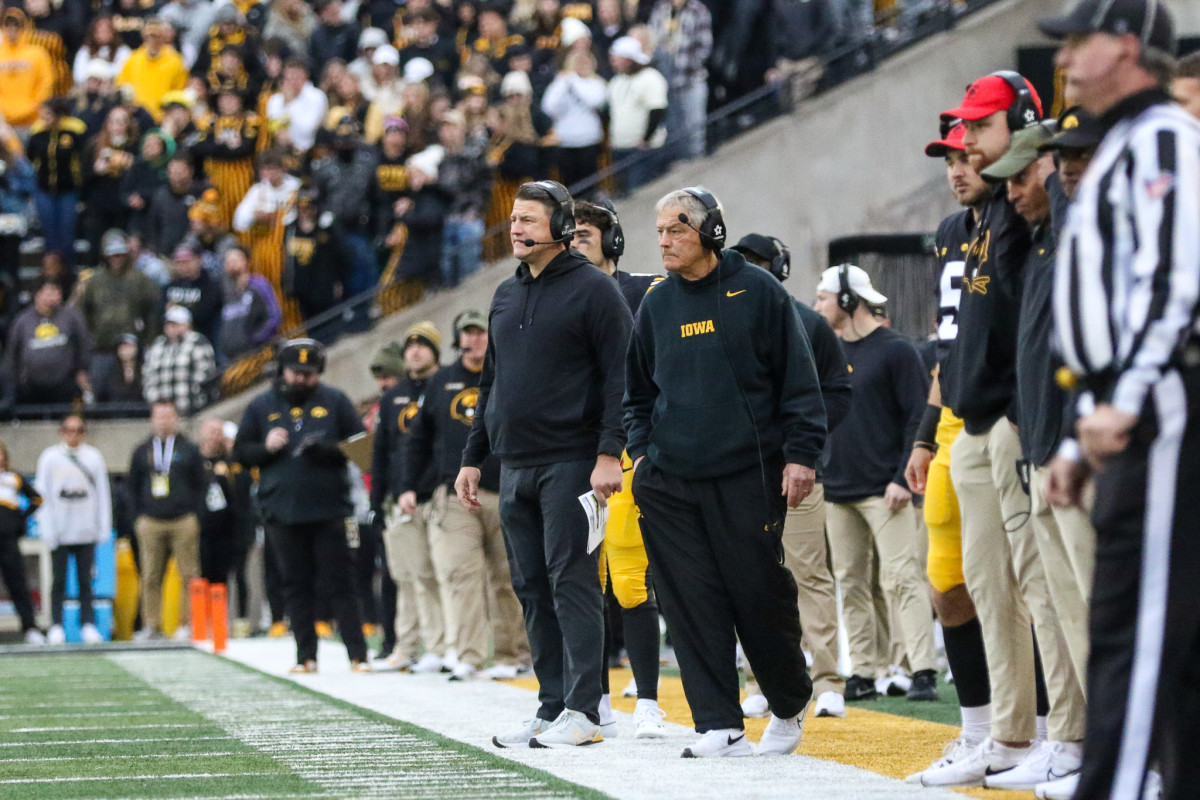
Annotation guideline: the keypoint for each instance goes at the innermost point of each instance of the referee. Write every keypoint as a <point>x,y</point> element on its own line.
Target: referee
<point>1127,286</point>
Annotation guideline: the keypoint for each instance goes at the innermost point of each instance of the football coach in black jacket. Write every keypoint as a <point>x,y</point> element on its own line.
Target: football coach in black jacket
<point>550,408</point>
<point>722,399</point>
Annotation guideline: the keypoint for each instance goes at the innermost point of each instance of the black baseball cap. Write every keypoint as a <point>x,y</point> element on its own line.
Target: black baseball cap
<point>1149,20</point>
<point>1077,129</point>
<point>757,245</point>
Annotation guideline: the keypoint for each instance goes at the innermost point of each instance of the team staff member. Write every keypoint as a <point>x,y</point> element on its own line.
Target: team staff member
<point>407,531</point>
<point>466,547</point>
<point>871,515</point>
<point>166,483</point>
<point>1125,315</point>
<point>1027,173</point>
<point>978,382</point>
<point>550,409</point>
<point>291,433</point>
<point>928,470</point>
<point>804,547</point>
<point>623,561</point>
<point>712,512</point>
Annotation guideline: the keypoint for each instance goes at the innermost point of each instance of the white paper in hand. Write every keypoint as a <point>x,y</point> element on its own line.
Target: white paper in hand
<point>597,516</point>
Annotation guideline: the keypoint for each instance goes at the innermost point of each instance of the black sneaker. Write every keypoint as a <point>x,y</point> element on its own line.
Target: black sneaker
<point>860,688</point>
<point>924,686</point>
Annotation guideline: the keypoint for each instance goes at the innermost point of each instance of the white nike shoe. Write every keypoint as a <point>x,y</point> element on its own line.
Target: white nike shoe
<point>430,662</point>
<point>954,751</point>
<point>463,672</point>
<point>782,736</point>
<point>183,633</point>
<point>723,743</point>
<point>755,706</point>
<point>608,720</point>
<point>895,684</point>
<point>450,661</point>
<point>55,635</point>
<point>648,720</point>
<point>630,689</point>
<point>34,636</point>
<point>571,729</point>
<point>985,760</point>
<point>503,672</point>
<point>830,704</point>
<point>1046,762</point>
<point>1061,789</point>
<point>520,736</point>
<point>90,634</point>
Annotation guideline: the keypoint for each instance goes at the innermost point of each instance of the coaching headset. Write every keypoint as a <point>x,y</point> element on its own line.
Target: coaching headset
<point>1023,111</point>
<point>612,241</point>
<point>712,230</point>
<point>781,261</point>
<point>562,219</point>
<point>847,300</point>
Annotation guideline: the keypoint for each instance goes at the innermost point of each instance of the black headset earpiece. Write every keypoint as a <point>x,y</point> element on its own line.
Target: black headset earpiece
<point>457,343</point>
<point>847,300</point>
<point>1023,112</point>
<point>712,231</point>
<point>562,220</point>
<point>781,262</point>
<point>612,241</point>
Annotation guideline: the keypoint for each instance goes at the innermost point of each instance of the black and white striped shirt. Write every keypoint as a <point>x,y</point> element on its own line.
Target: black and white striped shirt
<point>1127,280</point>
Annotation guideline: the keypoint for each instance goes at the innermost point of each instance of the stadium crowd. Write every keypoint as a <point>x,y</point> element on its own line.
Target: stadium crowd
<point>1048,430</point>
<point>259,162</point>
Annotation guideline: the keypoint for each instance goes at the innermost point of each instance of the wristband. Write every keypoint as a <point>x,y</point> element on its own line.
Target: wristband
<point>927,430</point>
<point>930,446</point>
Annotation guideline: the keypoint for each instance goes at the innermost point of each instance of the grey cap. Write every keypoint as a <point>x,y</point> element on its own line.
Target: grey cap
<point>1022,151</point>
<point>113,243</point>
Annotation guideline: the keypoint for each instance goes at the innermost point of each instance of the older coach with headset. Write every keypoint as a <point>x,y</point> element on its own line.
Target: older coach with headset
<point>291,433</point>
<point>711,435</point>
<point>550,409</point>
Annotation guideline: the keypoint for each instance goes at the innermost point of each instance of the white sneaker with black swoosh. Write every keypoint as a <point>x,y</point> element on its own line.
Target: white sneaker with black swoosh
<point>987,759</point>
<point>722,743</point>
<point>1046,762</point>
<point>782,736</point>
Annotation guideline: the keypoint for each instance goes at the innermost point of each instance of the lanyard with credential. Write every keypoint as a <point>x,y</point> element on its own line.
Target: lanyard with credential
<point>160,481</point>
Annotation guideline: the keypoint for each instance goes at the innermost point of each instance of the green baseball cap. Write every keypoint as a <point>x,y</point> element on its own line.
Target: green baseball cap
<point>1022,151</point>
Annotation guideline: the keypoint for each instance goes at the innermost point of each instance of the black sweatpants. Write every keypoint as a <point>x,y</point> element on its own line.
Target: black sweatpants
<point>12,566</point>
<point>369,562</point>
<point>1143,670</point>
<point>557,581</point>
<point>85,558</point>
<point>717,558</point>
<point>314,561</point>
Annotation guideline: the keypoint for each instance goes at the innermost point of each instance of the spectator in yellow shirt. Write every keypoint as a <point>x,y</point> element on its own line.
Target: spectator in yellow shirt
<point>26,72</point>
<point>154,69</point>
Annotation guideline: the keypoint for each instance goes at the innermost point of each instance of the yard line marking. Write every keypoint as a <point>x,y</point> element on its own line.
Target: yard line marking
<point>182,776</point>
<point>114,741</point>
<point>109,727</point>
<point>40,759</point>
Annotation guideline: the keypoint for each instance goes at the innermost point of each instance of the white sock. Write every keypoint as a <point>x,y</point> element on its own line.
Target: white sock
<point>976,723</point>
<point>1041,729</point>
<point>645,704</point>
<point>605,708</point>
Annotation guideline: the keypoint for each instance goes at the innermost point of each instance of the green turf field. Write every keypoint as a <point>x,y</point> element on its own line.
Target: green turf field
<point>185,724</point>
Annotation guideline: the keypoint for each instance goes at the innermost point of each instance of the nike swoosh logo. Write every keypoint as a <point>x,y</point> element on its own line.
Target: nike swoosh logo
<point>732,740</point>
<point>734,294</point>
<point>1055,775</point>
<point>990,771</point>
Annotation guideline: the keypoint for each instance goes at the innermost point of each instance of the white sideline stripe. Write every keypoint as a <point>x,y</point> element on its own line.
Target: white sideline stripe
<point>112,741</point>
<point>41,759</point>
<point>182,776</point>
<point>624,768</point>
<point>100,704</point>
<point>109,727</point>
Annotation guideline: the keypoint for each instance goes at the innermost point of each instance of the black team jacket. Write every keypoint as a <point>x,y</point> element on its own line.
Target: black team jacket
<point>554,374</point>
<point>718,369</point>
<point>438,434</point>
<point>398,411</point>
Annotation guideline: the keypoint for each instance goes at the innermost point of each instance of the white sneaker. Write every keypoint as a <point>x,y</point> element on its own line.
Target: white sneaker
<point>146,635</point>
<point>463,672</point>
<point>519,737</point>
<point>449,661</point>
<point>394,663</point>
<point>755,706</point>
<point>55,635</point>
<point>648,720</point>
<point>895,684</point>
<point>183,633</point>
<point>571,729</point>
<point>430,662</point>
<point>830,704</point>
<point>1061,789</point>
<point>957,750</point>
<point>630,689</point>
<point>722,743</point>
<point>782,736</point>
<point>503,672</point>
<point>608,720</point>
<point>1046,762</point>
<point>34,636</point>
<point>986,759</point>
<point>91,634</point>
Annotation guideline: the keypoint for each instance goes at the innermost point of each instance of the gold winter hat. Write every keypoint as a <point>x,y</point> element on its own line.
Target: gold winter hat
<point>426,333</point>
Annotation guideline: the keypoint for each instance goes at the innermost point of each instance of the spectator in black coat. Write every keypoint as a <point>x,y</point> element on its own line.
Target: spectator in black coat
<point>147,175</point>
<point>317,261</point>
<point>424,215</point>
<point>167,222</point>
<point>333,38</point>
<point>196,290</point>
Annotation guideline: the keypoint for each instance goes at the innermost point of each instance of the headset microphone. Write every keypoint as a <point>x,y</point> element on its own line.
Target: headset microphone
<point>687,221</point>
<point>531,242</point>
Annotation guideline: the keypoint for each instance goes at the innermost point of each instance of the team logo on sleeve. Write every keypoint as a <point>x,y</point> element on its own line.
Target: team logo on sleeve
<point>406,415</point>
<point>462,407</point>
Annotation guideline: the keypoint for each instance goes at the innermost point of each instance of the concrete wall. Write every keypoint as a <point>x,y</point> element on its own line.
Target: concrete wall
<point>848,162</point>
